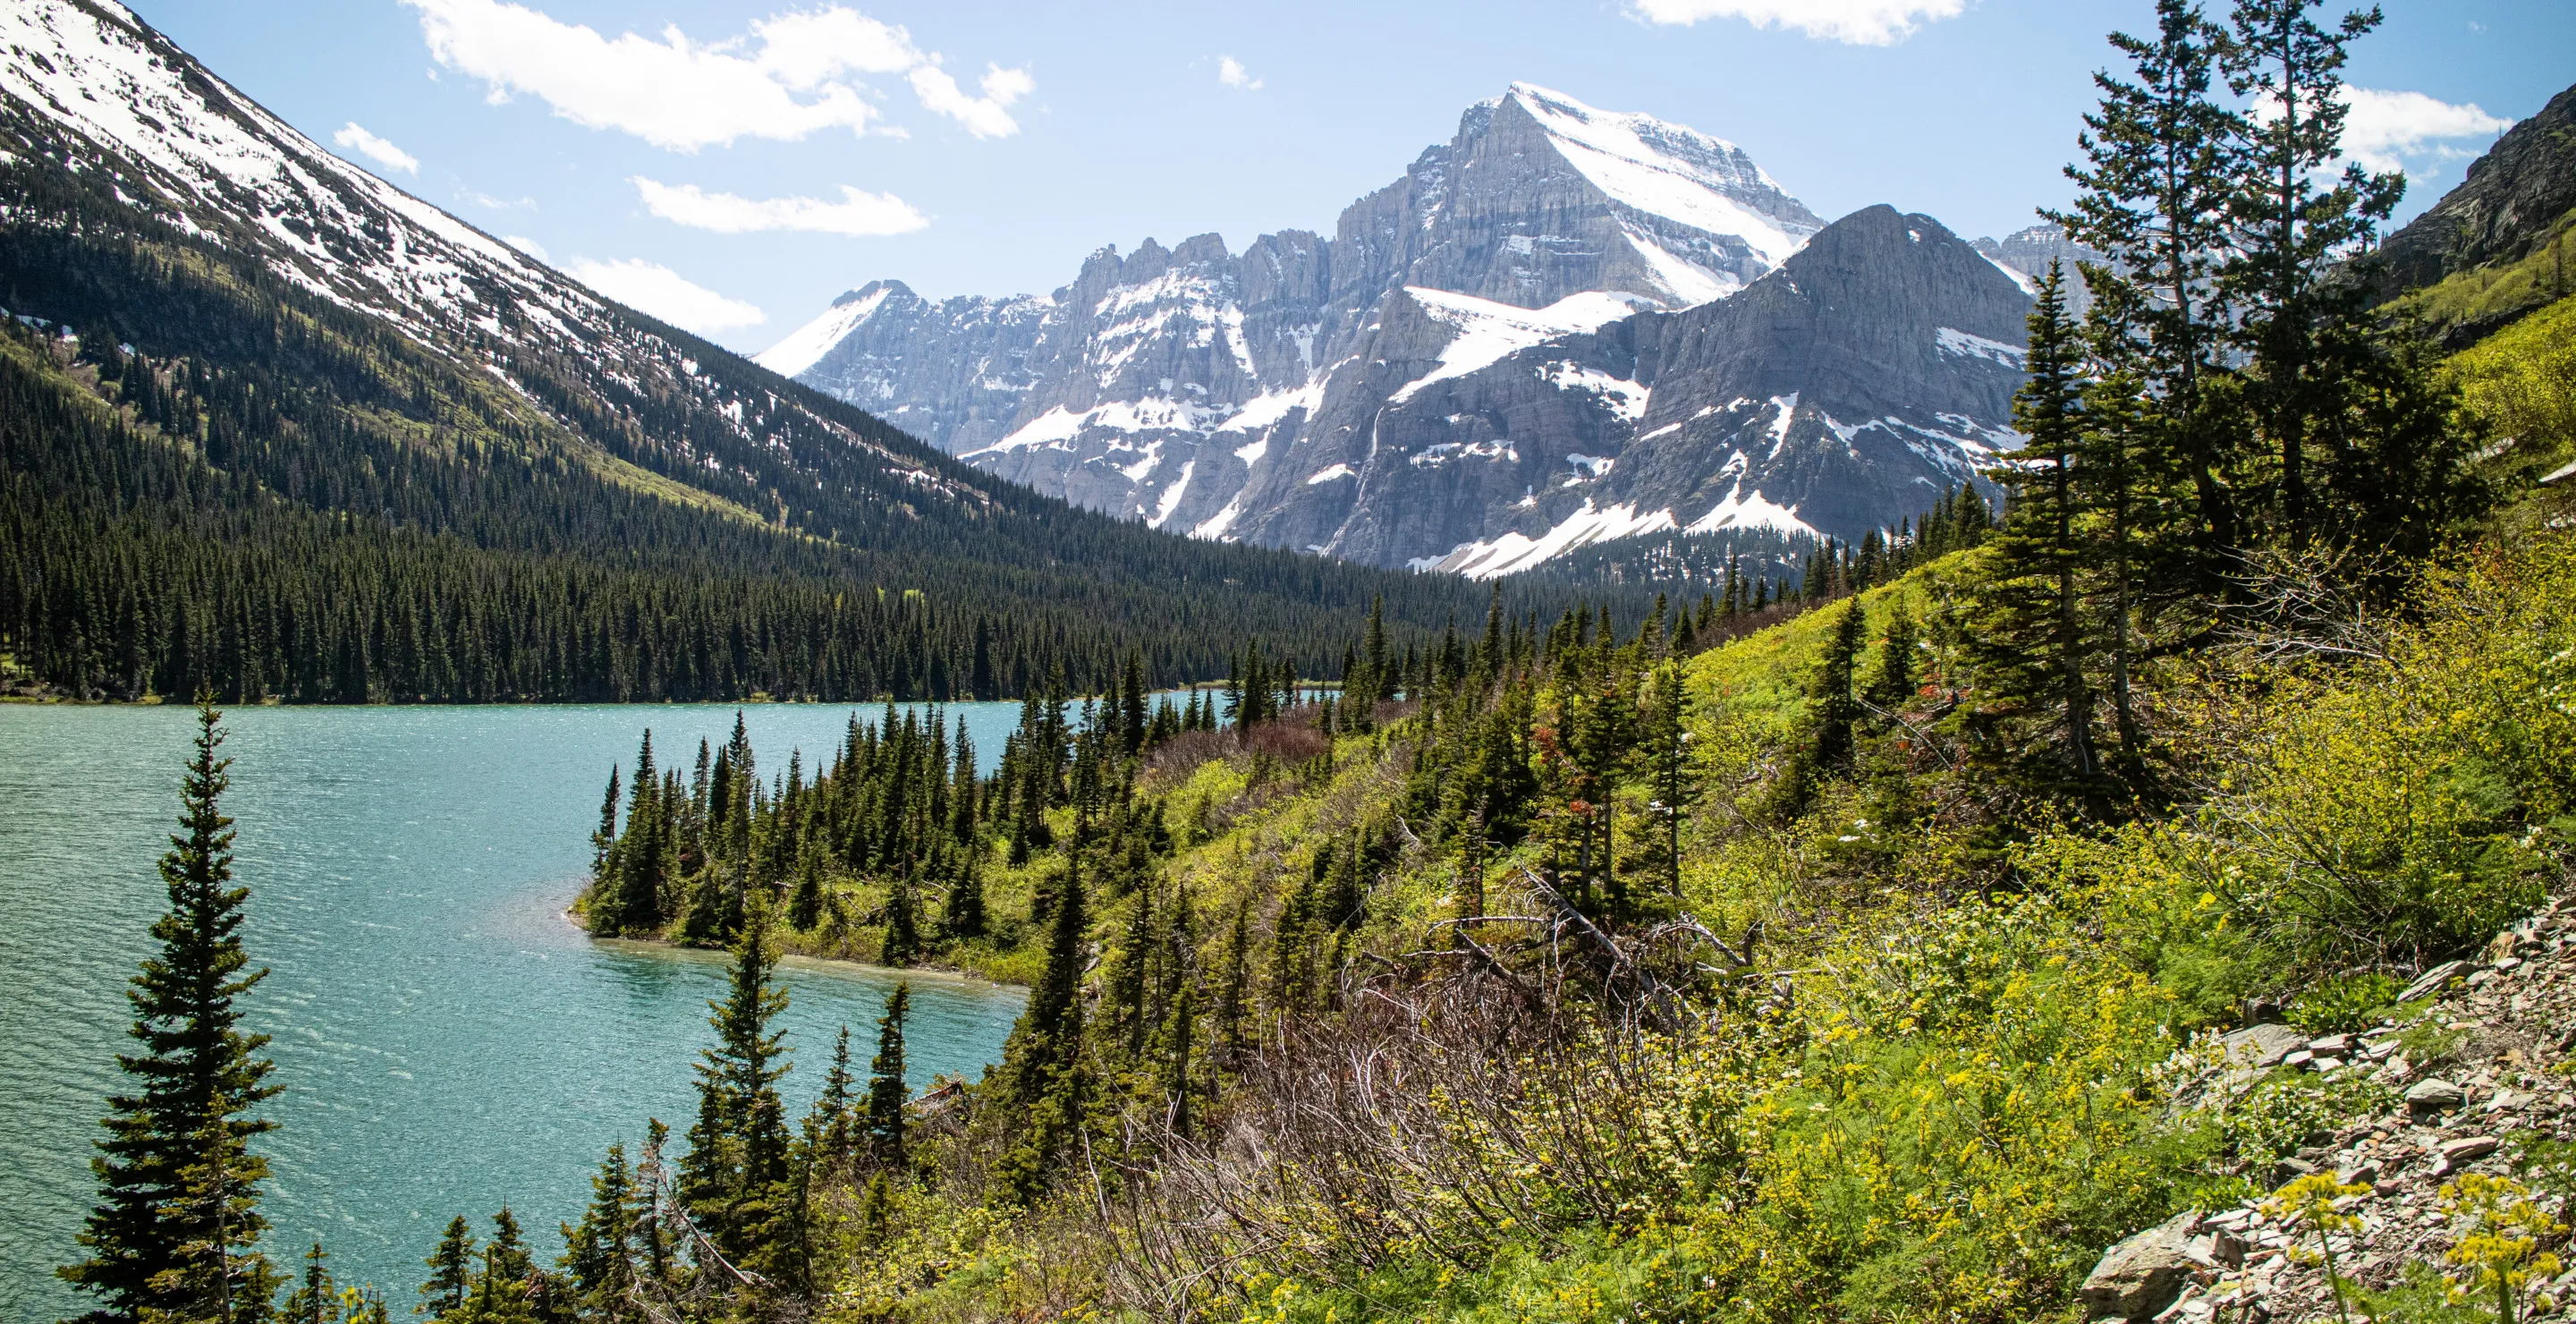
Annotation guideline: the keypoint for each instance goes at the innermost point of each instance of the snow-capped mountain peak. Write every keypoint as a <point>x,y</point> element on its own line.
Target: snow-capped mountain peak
<point>1670,170</point>
<point>1488,365</point>
<point>89,89</point>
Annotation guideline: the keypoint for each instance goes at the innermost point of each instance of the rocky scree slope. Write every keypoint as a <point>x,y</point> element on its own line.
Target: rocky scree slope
<point>2473,1077</point>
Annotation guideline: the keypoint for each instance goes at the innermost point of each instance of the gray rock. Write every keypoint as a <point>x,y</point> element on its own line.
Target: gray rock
<point>2137,1278</point>
<point>2432,981</point>
<point>2262,1045</point>
<point>2469,1148</point>
<point>2288,1170</point>
<point>2432,1096</point>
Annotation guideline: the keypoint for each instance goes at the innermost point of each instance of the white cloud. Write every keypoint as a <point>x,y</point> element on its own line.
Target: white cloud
<point>786,79</point>
<point>1230,71</point>
<point>858,214</point>
<point>376,149</point>
<point>1859,22</point>
<point>2381,127</point>
<point>486,200</point>
<point>986,116</point>
<point>526,245</point>
<point>665,293</point>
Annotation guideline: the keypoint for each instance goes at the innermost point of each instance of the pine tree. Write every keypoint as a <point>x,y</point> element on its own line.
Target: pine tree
<point>833,1128</point>
<point>643,858</point>
<point>1131,704</point>
<point>176,1231</point>
<point>964,916</point>
<point>2031,642</point>
<point>599,1255</point>
<point>2154,191</point>
<point>606,837</point>
<point>1177,1039</point>
<point>2300,326</point>
<point>1047,1086</point>
<point>886,1090</point>
<point>903,922</point>
<point>1234,984</point>
<point>451,1272</point>
<point>316,1299</point>
<point>732,1179</point>
<point>1044,1037</point>
<point>506,1290</point>
<point>1666,751</point>
<point>1828,741</point>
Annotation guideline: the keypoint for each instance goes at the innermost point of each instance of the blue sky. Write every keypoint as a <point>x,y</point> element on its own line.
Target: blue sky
<point>736,165</point>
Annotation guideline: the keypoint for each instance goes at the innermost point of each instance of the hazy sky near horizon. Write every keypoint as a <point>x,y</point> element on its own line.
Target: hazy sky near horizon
<point>732,165</point>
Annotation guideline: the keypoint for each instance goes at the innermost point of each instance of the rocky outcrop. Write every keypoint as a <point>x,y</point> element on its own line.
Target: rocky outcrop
<point>2514,199</point>
<point>2475,1072</point>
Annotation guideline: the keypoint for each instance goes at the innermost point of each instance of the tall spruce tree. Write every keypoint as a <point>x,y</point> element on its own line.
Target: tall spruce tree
<point>2301,327</point>
<point>175,1234</point>
<point>734,1177</point>
<point>451,1272</point>
<point>2159,174</point>
<point>2032,642</point>
<point>886,1092</point>
<point>316,1298</point>
<point>599,1255</point>
<point>1827,743</point>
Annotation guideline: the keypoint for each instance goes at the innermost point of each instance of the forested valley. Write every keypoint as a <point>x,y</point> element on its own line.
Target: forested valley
<point>211,477</point>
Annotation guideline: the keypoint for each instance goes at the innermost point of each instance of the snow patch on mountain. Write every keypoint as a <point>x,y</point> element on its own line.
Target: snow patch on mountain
<point>1750,510</point>
<point>1513,552</point>
<point>1487,331</point>
<point>807,344</point>
<point>1952,340</point>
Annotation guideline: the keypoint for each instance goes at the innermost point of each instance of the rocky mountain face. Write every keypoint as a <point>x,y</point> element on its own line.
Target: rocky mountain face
<point>2512,201</point>
<point>1457,374</point>
<point>1845,391</point>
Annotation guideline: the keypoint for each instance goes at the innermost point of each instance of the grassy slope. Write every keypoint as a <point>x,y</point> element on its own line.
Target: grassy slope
<point>2521,382</point>
<point>1973,1104</point>
<point>2494,296</point>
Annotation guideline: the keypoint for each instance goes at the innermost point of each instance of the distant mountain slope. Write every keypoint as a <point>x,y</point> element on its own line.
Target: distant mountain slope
<point>2494,247</point>
<point>1846,391</point>
<point>1188,387</point>
<point>338,345</point>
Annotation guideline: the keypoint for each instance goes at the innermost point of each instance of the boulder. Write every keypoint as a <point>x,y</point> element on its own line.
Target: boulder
<point>2262,1045</point>
<point>2433,1095</point>
<point>2142,1275</point>
<point>2432,981</point>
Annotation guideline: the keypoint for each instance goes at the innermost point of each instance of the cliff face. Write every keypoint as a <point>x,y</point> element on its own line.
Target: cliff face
<point>2512,201</point>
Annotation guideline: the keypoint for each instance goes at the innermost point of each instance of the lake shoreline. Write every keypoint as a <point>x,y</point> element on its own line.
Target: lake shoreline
<point>665,947</point>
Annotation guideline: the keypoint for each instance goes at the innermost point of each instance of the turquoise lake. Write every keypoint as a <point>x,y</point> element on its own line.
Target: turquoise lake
<point>447,1040</point>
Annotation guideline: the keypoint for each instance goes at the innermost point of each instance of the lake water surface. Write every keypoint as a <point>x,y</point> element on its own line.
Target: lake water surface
<point>447,1041</point>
